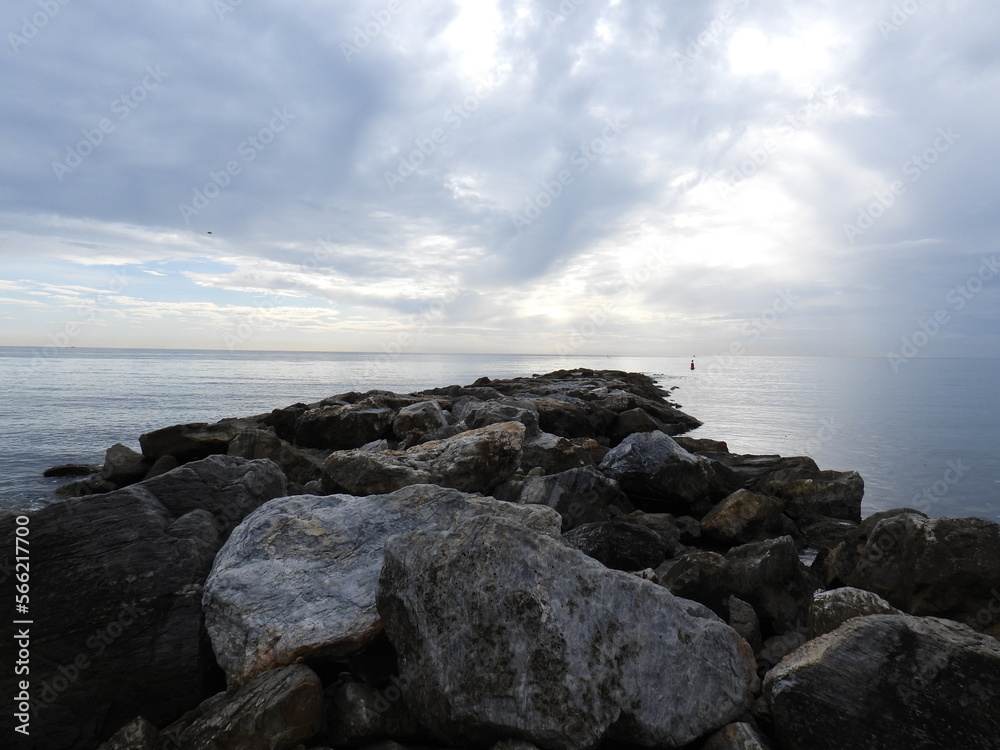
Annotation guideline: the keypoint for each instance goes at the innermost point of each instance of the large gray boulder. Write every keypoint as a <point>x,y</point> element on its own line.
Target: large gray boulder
<point>745,517</point>
<point>116,585</point>
<point>472,461</point>
<point>424,417</point>
<point>889,681</point>
<point>804,492</point>
<point>298,578</point>
<point>340,427</point>
<point>831,609</point>
<point>655,472</point>
<point>503,632</point>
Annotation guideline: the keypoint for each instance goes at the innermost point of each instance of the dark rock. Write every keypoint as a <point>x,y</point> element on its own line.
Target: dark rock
<point>284,420</point>
<point>889,681</point>
<point>663,524</point>
<point>744,621</point>
<point>769,576</point>
<point>942,566</point>
<point>83,487</point>
<point>737,736</point>
<point>342,427</point>
<point>123,466</point>
<point>750,468</point>
<point>193,441</point>
<point>472,461</point>
<point>831,609</point>
<point>161,466</point>
<point>503,632</point>
<point>332,548</point>
<point>809,493</point>
<point>629,422</point>
<point>822,532</point>
<point>744,517</point>
<point>702,445</point>
<point>299,464</point>
<point>619,544</point>
<point>581,495</point>
<point>275,710</point>
<point>657,474</point>
<point>138,734</point>
<point>360,714</point>
<point>71,470</point>
<point>568,418</point>
<point>477,414</point>
<point>554,454</point>
<point>777,647</point>
<point>115,597</point>
<point>703,577</point>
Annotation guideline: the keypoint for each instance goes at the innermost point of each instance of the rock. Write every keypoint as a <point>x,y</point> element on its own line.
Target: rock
<point>503,632</point>
<point>629,422</point>
<point>580,495</point>
<point>831,609</point>
<point>477,414</point>
<point>744,621</point>
<point>737,736</point>
<point>554,454</point>
<point>123,466</point>
<point>283,420</point>
<point>82,488</point>
<point>889,681</point>
<point>751,469</point>
<point>942,566</point>
<point>138,734</point>
<point>193,441</point>
<point>425,416</point>
<point>566,417</point>
<point>823,532</point>
<point>275,710</point>
<point>770,577</point>
<point>663,524</point>
<point>701,445</point>
<point>115,598</point>
<point>744,517</point>
<point>700,576</point>
<point>332,548</point>
<point>71,470</point>
<point>473,461</point>
<point>161,466</point>
<point>618,544</point>
<point>656,473</point>
<point>808,493</point>
<point>342,427</point>
<point>360,714</point>
<point>299,465</point>
<point>776,648</point>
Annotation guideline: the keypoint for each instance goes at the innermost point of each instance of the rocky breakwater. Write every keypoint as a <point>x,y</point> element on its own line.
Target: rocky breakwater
<point>542,562</point>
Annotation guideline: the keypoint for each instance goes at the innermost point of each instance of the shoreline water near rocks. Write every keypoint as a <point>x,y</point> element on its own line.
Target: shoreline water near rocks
<point>541,562</point>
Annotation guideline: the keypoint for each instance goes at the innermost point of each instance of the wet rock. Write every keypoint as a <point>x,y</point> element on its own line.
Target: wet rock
<point>505,632</point>
<point>831,609</point>
<point>619,544</point>
<point>123,466</point>
<point>580,495</point>
<point>332,548</point>
<point>89,486</point>
<point>702,445</point>
<point>888,681</point>
<point>71,470</point>
<point>473,461</point>
<point>275,710</point>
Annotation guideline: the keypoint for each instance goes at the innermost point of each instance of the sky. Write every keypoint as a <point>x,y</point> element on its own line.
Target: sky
<point>627,177</point>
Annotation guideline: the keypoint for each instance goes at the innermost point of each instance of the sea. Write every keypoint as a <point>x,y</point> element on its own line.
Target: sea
<point>922,435</point>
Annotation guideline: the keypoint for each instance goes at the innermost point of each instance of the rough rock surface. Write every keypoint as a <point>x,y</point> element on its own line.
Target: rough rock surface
<point>580,495</point>
<point>654,470</point>
<point>342,427</point>
<point>276,710</point>
<point>116,597</point>
<point>424,416</point>
<point>619,544</point>
<point>941,566</point>
<point>744,517</point>
<point>360,715</point>
<point>503,632</point>
<point>804,492</point>
<point>553,454</point>
<point>331,548</point>
<point>737,736</point>
<point>889,681</point>
<point>831,609</point>
<point>123,466</point>
<point>472,461</point>
<point>189,442</point>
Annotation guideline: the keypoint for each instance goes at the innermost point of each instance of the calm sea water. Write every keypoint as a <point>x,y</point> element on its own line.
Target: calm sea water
<point>923,437</point>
